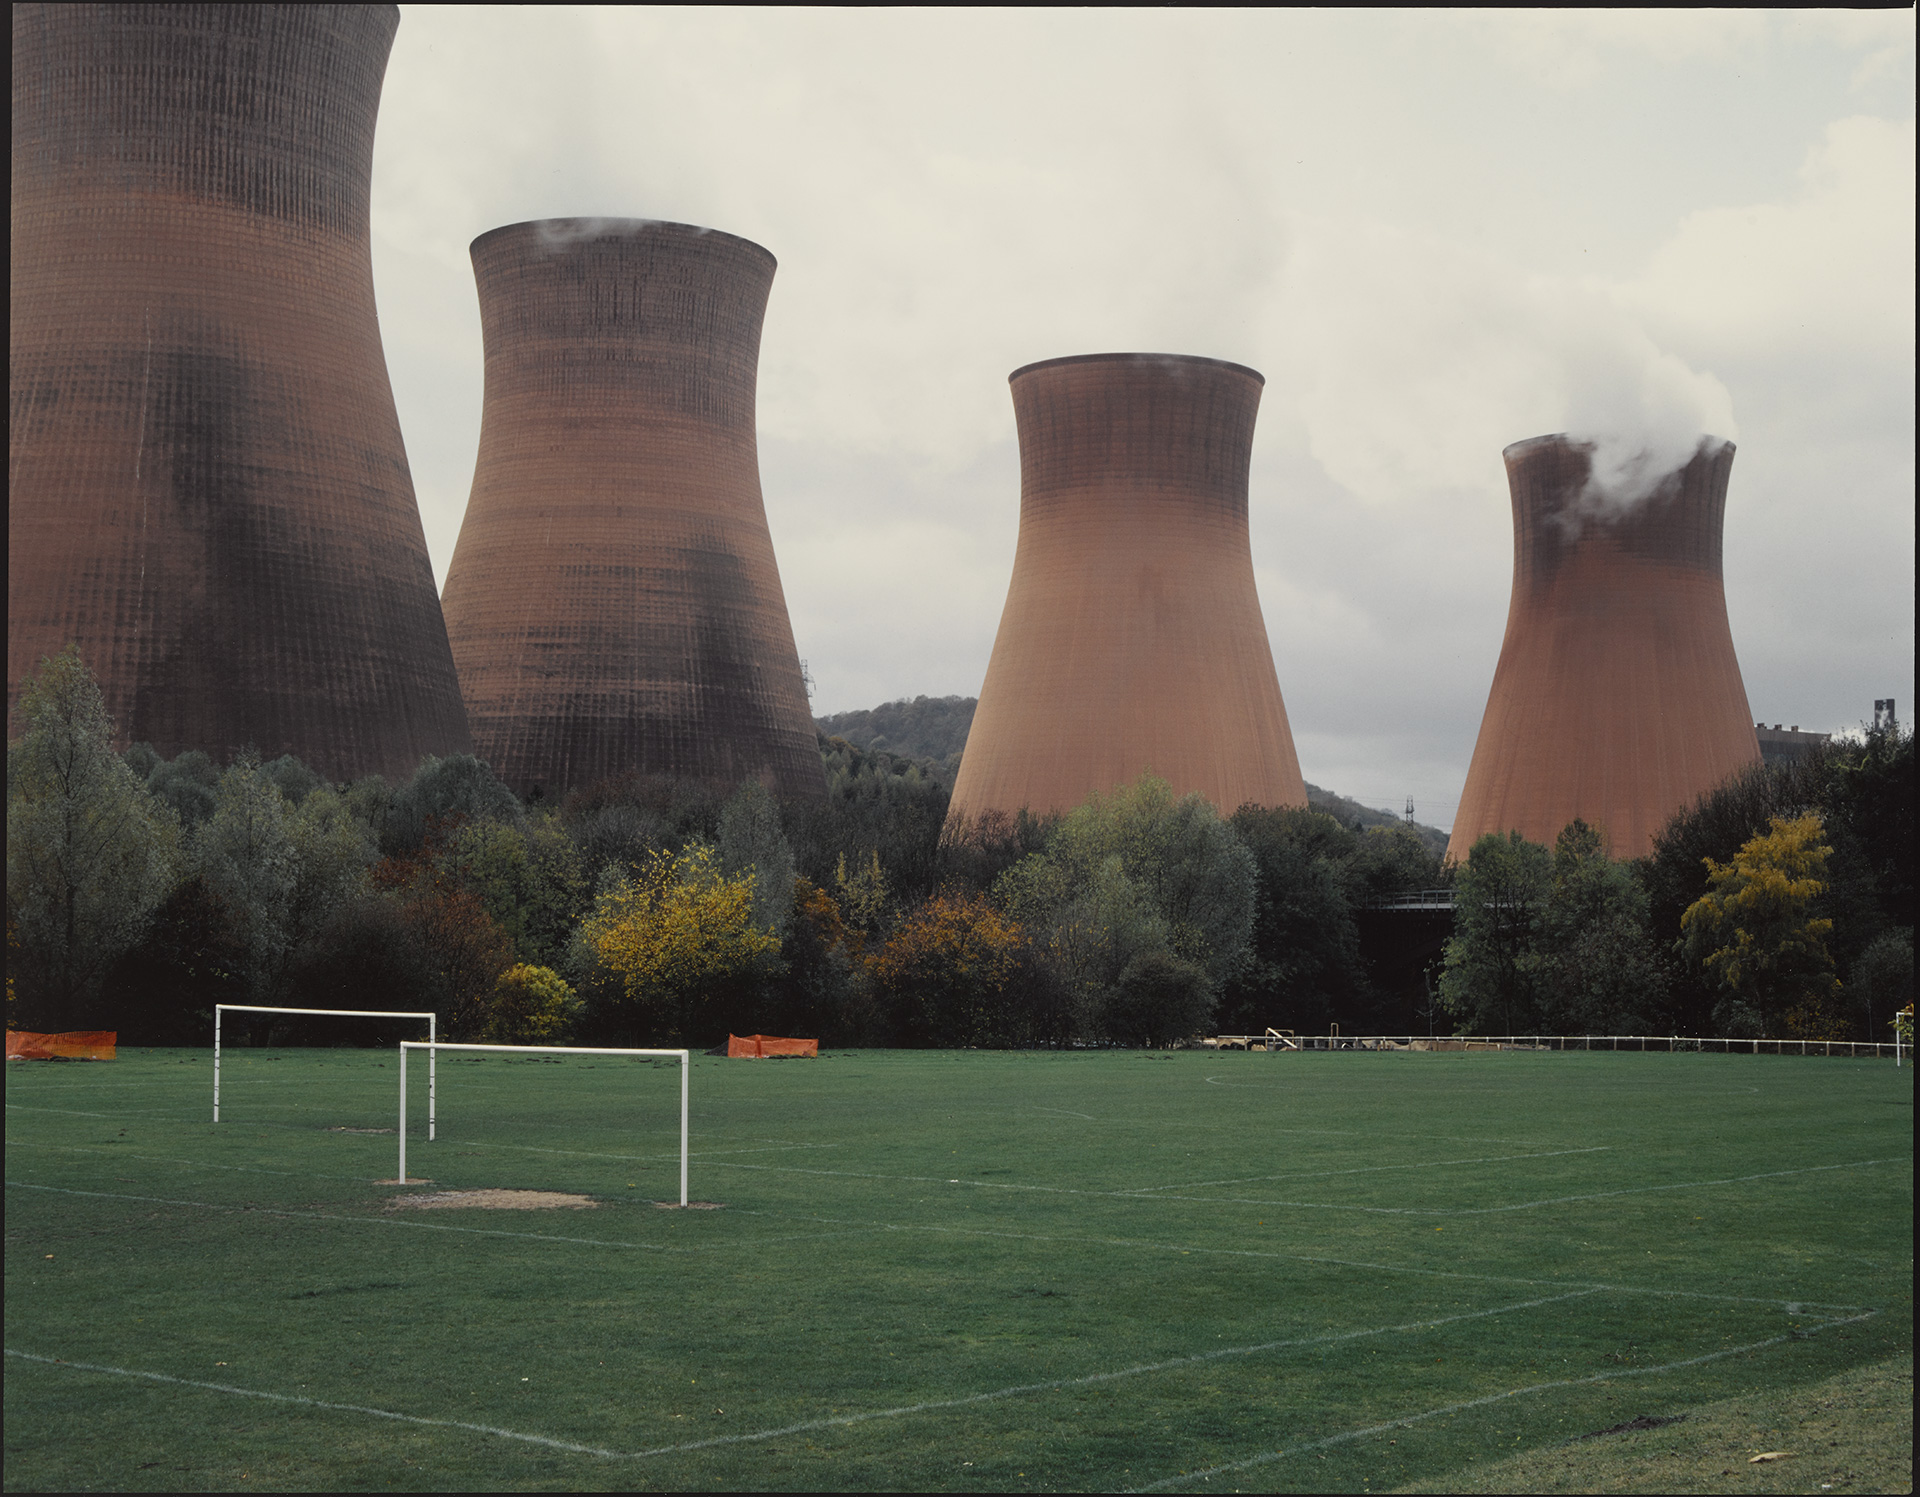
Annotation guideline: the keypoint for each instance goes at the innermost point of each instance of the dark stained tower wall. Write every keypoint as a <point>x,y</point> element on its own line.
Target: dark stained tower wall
<point>1132,638</point>
<point>208,490</point>
<point>1617,698</point>
<point>614,602</point>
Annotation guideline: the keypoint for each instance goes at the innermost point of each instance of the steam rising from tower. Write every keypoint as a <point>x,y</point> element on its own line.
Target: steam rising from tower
<point>614,603</point>
<point>208,489</point>
<point>1132,638</point>
<point>1617,698</point>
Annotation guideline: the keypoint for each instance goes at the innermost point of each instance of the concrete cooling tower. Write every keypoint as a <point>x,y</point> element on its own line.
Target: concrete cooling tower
<point>614,603</point>
<point>1132,638</point>
<point>208,490</point>
<point>1617,698</point>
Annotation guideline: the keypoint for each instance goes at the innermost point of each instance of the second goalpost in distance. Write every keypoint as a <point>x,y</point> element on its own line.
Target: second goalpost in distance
<point>432,1047</point>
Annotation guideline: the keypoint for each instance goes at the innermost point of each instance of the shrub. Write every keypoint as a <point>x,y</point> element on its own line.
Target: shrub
<point>531,1006</point>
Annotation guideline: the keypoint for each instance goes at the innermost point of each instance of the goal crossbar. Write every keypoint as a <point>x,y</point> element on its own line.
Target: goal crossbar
<point>433,1021</point>
<point>685,1058</point>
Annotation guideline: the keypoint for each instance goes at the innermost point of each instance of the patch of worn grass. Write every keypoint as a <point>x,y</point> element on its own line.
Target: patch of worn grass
<point>1852,1432</point>
<point>963,1271</point>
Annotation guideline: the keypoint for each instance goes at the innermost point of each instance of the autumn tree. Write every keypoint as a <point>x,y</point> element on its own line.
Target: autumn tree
<point>948,973</point>
<point>531,1006</point>
<point>677,940</point>
<point>1753,932</point>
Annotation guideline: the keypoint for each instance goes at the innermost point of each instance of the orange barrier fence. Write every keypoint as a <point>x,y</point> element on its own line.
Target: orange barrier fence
<point>81,1044</point>
<point>756,1045</point>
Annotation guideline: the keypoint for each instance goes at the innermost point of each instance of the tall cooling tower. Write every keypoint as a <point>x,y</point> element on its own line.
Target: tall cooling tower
<point>614,603</point>
<point>208,490</point>
<point>1132,638</point>
<point>1617,698</point>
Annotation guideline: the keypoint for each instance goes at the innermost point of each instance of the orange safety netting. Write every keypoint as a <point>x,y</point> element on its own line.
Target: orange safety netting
<point>81,1044</point>
<point>755,1045</point>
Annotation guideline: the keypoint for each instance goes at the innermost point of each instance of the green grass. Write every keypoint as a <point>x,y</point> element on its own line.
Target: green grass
<point>934,1270</point>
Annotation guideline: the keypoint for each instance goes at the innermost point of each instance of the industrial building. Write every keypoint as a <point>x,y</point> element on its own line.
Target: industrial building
<point>208,492</point>
<point>1617,698</point>
<point>1132,638</point>
<point>614,604</point>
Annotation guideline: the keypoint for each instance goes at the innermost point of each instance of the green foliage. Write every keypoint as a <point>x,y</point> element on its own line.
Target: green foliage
<point>89,854</point>
<point>448,791</point>
<point>876,803</point>
<point>1755,932</point>
<point>531,1006</point>
<point>1863,788</point>
<point>1881,981</point>
<point>1131,873</point>
<point>926,728</point>
<point>1593,965</point>
<point>188,785</point>
<point>1487,982</point>
<point>530,879</point>
<point>751,842</point>
<point>1305,960</point>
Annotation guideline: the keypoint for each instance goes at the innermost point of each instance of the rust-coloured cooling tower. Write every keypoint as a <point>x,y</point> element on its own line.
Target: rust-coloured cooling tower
<point>1132,638</point>
<point>1617,698</point>
<point>614,603</point>
<point>208,490</point>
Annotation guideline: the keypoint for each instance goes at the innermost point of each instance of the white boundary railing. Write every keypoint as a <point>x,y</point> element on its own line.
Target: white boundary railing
<point>431,1046</point>
<point>1653,1043</point>
<point>433,1022</point>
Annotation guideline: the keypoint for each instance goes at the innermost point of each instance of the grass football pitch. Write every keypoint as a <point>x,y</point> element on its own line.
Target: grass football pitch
<point>1185,1271</point>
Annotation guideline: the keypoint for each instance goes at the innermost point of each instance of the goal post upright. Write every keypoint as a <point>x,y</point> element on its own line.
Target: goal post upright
<point>685,1057</point>
<point>433,1023</point>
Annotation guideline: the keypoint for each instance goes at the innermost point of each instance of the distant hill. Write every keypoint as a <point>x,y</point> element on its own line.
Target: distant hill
<point>935,728</point>
<point>924,728</point>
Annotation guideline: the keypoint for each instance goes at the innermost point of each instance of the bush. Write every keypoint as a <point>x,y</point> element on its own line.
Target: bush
<point>672,946</point>
<point>947,975</point>
<point>531,1006</point>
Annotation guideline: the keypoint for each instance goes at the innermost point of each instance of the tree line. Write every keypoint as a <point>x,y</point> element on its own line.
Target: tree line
<point>141,891</point>
<point>1779,905</point>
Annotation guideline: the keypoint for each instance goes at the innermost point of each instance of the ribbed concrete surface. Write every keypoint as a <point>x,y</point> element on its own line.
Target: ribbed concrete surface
<point>1617,698</point>
<point>614,603</point>
<point>208,489</point>
<point>1132,638</point>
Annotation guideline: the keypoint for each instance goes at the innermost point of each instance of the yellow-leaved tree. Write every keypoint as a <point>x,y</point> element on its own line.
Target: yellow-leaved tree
<point>680,939</point>
<point>1754,930</point>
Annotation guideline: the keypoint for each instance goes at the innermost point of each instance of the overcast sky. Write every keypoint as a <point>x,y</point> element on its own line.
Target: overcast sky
<point>1434,233</point>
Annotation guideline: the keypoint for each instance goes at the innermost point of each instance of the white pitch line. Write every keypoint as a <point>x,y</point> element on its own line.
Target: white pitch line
<point>1209,1472</point>
<point>1792,1306</point>
<point>192,1164</point>
<point>1369,1169</point>
<point>841,1421</point>
<point>318,1403</point>
<point>1159,1195</point>
<point>1092,1379</point>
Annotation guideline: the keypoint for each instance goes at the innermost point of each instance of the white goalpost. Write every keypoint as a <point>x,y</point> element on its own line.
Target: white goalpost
<point>333,1013</point>
<point>431,1047</point>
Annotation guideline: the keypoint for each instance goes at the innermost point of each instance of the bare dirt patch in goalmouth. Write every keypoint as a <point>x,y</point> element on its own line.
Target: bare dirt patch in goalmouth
<point>493,1200</point>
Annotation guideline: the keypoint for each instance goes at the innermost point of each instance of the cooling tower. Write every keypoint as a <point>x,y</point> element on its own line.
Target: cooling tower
<point>1617,698</point>
<point>208,490</point>
<point>614,604</point>
<point>1132,638</point>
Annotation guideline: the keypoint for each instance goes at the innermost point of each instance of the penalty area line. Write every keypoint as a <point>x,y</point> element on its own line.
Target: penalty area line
<point>317,1403</point>
<point>1207,1473</point>
<point>840,1421</point>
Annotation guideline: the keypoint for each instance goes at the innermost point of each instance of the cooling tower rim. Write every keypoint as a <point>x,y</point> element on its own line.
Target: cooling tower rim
<point>1198,360</point>
<point>1519,449</point>
<point>618,228</point>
